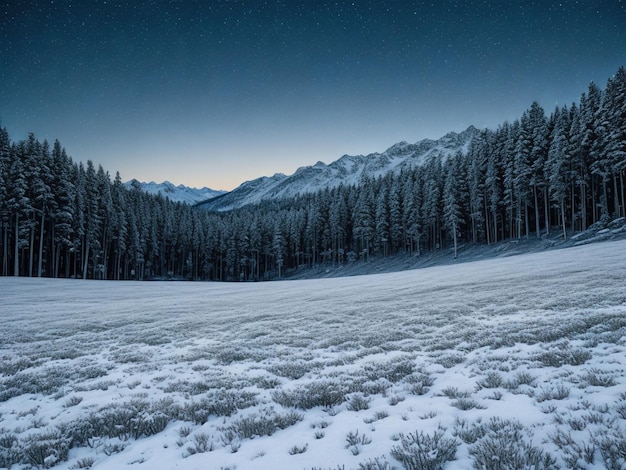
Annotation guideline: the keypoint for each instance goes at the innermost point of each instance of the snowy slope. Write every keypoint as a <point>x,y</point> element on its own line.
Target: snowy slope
<point>347,170</point>
<point>178,193</point>
<point>505,360</point>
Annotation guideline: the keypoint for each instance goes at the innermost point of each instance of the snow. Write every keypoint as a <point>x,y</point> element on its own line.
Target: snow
<point>73,349</point>
<point>180,193</point>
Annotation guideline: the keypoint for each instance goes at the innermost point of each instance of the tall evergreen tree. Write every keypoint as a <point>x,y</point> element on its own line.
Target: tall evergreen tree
<point>451,198</point>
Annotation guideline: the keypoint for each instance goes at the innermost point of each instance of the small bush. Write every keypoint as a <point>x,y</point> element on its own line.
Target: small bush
<point>522,378</point>
<point>425,451</point>
<point>465,404</point>
<point>612,446</point>
<point>597,378</point>
<point>378,463</point>
<point>10,452</point>
<point>217,403</point>
<point>382,414</point>
<point>504,446</point>
<point>74,400</point>
<point>560,357</point>
<point>469,433</point>
<point>324,393</point>
<point>86,462</point>
<point>492,380</point>
<point>620,409</point>
<point>262,425</point>
<point>576,456</point>
<point>393,371</point>
<point>394,400</point>
<point>298,449</point>
<point>560,392</point>
<point>450,360</point>
<point>454,392</point>
<point>291,370</point>
<point>420,383</point>
<point>358,402</point>
<point>201,443</point>
<point>354,442</point>
<point>46,449</point>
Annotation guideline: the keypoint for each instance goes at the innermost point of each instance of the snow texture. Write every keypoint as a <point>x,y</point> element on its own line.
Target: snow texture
<point>520,356</point>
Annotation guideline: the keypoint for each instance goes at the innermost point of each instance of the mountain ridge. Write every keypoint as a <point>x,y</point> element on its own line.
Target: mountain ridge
<point>180,193</point>
<point>348,169</point>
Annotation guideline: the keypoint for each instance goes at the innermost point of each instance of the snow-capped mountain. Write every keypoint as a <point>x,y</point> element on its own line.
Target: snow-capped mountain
<point>178,193</point>
<point>347,170</point>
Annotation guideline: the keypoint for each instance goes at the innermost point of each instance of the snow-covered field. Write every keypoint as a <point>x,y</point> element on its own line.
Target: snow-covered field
<point>503,363</point>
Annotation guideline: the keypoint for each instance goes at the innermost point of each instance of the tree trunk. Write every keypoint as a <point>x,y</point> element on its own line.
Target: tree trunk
<point>616,205</point>
<point>5,250</point>
<point>40,260</point>
<point>31,254</point>
<point>546,209</point>
<point>16,261</point>
<point>487,220</point>
<point>537,230</point>
<point>621,180</point>
<point>563,218</point>
<point>86,263</point>
<point>583,207</point>
<point>454,237</point>
<point>605,199</point>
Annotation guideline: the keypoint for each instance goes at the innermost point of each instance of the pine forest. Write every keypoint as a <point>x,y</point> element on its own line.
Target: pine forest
<point>541,174</point>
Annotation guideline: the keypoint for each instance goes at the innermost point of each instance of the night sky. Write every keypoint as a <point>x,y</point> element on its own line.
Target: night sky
<point>213,93</point>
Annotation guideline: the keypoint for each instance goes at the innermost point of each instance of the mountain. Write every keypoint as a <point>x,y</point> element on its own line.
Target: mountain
<point>347,170</point>
<point>178,193</point>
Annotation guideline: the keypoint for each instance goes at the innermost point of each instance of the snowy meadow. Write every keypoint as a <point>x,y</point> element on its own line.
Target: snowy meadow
<point>513,363</point>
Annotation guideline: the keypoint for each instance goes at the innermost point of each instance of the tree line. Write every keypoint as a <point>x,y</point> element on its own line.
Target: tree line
<point>537,175</point>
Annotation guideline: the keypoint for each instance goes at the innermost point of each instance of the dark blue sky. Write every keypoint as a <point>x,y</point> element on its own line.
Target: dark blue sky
<point>216,93</point>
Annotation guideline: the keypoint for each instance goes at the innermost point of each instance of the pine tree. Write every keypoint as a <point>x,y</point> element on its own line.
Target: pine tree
<point>382,219</point>
<point>477,156</point>
<point>5,215</point>
<point>508,138</point>
<point>451,197</point>
<point>558,165</point>
<point>279,247</point>
<point>363,217</point>
<point>17,203</point>
<point>64,210</point>
<point>614,126</point>
<point>493,192</point>
<point>539,153</point>
<point>119,224</point>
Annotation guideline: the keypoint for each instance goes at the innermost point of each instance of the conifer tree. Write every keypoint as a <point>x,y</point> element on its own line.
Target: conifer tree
<point>451,197</point>
<point>557,165</point>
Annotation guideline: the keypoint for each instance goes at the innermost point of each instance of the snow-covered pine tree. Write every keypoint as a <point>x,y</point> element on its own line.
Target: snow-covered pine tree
<point>5,146</point>
<point>613,111</point>
<point>451,198</point>
<point>557,165</point>
<point>63,210</point>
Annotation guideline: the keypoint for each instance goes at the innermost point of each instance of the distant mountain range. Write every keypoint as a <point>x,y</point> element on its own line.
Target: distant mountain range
<point>347,170</point>
<point>178,193</point>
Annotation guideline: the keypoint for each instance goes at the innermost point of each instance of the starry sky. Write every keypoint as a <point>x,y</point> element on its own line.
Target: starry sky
<point>214,93</point>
